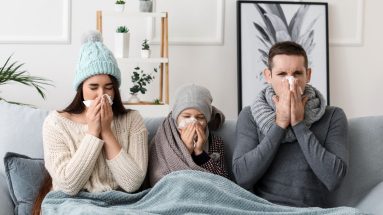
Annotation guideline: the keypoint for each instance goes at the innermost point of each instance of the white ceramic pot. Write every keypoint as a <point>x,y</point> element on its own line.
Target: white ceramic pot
<point>121,45</point>
<point>146,6</point>
<point>145,53</point>
<point>119,7</point>
<point>133,98</point>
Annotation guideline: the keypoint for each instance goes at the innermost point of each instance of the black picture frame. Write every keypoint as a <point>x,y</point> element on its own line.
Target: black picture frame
<point>310,29</point>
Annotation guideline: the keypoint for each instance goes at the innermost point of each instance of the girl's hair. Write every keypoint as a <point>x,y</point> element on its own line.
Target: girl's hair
<point>77,106</point>
<point>44,190</point>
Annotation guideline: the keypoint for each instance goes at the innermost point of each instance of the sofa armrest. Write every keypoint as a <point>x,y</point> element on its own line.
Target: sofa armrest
<point>372,202</point>
<point>6,203</point>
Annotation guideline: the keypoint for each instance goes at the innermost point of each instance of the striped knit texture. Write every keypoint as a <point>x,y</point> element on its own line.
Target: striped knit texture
<point>263,110</point>
<point>76,161</point>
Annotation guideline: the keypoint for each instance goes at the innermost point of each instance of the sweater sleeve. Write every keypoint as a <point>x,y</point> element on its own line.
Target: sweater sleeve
<point>214,166</point>
<point>328,161</point>
<point>252,158</point>
<point>70,172</point>
<point>130,165</point>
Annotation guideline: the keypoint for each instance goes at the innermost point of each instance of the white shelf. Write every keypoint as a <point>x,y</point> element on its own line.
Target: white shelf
<point>125,14</point>
<point>142,60</point>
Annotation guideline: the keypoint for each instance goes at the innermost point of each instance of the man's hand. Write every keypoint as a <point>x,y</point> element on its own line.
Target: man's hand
<point>283,106</point>
<point>298,103</point>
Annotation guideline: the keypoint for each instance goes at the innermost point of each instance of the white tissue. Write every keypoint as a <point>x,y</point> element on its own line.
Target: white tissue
<point>291,81</point>
<point>184,123</point>
<point>88,103</point>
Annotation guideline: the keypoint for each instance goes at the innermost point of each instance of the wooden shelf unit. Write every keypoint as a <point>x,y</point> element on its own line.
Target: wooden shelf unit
<point>163,61</point>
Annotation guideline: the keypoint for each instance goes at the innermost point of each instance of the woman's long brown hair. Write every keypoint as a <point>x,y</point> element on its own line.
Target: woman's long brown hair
<point>77,107</point>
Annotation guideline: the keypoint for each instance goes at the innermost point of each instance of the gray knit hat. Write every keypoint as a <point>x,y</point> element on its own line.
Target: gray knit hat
<point>193,96</point>
<point>95,59</point>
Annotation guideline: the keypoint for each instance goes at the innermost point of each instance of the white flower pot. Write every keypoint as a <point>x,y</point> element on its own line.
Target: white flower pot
<point>119,7</point>
<point>145,53</point>
<point>146,6</point>
<point>133,98</point>
<point>121,45</point>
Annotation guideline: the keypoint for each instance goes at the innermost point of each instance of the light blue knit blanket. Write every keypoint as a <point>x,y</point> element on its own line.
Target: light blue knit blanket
<point>181,192</point>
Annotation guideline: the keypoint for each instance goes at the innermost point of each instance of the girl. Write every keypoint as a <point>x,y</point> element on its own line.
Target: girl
<point>95,144</point>
<point>184,140</point>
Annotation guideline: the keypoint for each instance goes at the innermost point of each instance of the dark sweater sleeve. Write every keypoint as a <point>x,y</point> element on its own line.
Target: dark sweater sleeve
<point>252,158</point>
<point>328,161</point>
<point>216,167</point>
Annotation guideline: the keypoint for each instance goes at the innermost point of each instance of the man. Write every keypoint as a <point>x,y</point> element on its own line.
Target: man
<point>291,148</point>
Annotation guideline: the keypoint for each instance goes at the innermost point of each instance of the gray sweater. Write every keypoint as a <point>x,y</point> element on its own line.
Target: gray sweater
<point>299,173</point>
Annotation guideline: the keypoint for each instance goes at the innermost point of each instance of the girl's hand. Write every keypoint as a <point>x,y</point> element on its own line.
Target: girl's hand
<point>187,136</point>
<point>106,117</point>
<point>93,117</point>
<point>201,139</point>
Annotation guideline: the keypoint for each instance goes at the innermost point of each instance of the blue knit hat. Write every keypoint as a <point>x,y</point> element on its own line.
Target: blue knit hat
<point>95,59</point>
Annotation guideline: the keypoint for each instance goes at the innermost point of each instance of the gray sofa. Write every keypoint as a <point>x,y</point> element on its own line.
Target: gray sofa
<point>20,132</point>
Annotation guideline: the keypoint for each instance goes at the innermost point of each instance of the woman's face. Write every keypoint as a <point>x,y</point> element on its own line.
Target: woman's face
<point>192,113</point>
<point>97,85</point>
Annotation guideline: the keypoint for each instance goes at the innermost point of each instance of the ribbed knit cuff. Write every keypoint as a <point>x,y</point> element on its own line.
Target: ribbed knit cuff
<point>201,158</point>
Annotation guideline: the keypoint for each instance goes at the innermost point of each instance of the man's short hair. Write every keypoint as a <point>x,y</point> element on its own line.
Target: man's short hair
<point>286,48</point>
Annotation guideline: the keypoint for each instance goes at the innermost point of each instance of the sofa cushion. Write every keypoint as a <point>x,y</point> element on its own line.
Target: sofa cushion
<point>24,177</point>
<point>21,129</point>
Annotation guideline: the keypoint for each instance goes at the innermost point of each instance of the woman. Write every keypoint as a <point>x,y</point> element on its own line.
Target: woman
<point>98,148</point>
<point>184,141</point>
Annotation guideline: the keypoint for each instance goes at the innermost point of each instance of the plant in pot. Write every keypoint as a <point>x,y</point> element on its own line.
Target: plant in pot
<point>121,42</point>
<point>10,72</point>
<point>146,5</point>
<point>140,81</point>
<point>119,6</point>
<point>145,49</point>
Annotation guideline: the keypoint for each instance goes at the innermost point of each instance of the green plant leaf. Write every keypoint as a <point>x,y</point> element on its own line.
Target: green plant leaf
<point>11,73</point>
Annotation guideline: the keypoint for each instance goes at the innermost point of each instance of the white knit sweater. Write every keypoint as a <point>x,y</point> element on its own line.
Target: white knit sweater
<point>76,160</point>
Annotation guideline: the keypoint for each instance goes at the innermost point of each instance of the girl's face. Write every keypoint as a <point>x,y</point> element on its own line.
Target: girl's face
<point>192,113</point>
<point>97,85</point>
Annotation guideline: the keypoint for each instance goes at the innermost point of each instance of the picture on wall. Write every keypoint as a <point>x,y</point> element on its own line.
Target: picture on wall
<point>260,24</point>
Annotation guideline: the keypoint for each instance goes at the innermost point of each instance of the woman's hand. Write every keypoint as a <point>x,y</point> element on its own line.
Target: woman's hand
<point>201,139</point>
<point>187,136</point>
<point>106,117</point>
<point>93,117</point>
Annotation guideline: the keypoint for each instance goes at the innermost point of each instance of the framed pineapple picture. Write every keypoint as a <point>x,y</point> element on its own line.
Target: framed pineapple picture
<point>260,24</point>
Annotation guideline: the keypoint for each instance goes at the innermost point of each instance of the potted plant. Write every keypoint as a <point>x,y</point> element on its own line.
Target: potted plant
<point>119,6</point>
<point>121,42</point>
<point>146,6</point>
<point>145,49</point>
<point>140,81</point>
<point>9,72</point>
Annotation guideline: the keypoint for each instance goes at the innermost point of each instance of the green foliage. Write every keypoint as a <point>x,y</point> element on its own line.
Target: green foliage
<point>122,29</point>
<point>9,72</point>
<point>145,45</point>
<point>140,80</point>
<point>120,2</point>
<point>157,101</point>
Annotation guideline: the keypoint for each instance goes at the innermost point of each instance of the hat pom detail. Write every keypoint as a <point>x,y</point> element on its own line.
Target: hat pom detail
<point>91,36</point>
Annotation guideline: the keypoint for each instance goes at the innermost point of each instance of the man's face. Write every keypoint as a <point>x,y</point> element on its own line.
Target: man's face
<point>287,65</point>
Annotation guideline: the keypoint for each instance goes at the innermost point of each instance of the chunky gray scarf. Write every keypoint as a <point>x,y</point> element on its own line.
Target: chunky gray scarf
<point>263,110</point>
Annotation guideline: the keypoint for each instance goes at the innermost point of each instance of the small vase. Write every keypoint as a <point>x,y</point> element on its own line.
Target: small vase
<point>146,6</point>
<point>121,45</point>
<point>145,53</point>
<point>119,7</point>
<point>133,98</point>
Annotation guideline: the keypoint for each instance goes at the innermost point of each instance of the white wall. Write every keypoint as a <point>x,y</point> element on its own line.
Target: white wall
<point>355,76</point>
